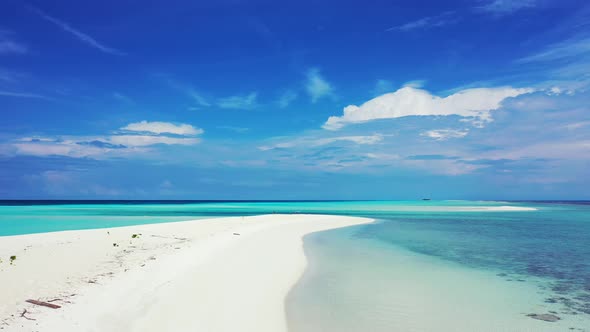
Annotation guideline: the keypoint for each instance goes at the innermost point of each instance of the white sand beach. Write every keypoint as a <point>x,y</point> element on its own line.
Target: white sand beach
<point>224,274</point>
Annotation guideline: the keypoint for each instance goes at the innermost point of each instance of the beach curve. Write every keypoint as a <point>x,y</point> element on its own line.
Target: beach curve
<point>224,274</point>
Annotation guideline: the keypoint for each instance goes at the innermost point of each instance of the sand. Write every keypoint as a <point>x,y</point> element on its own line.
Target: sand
<point>224,274</point>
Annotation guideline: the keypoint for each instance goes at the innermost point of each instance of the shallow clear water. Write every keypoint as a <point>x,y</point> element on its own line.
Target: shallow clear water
<point>24,217</point>
<point>423,261</point>
<point>538,261</point>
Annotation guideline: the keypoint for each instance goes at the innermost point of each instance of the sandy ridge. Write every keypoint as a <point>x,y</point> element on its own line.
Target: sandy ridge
<point>224,274</point>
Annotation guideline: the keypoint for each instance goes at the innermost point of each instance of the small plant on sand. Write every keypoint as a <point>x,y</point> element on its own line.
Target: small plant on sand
<point>115,245</point>
<point>135,236</point>
<point>12,259</point>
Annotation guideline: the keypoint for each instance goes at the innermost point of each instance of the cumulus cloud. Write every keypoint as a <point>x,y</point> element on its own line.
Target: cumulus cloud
<point>239,101</point>
<point>162,128</point>
<point>316,86</point>
<point>408,101</point>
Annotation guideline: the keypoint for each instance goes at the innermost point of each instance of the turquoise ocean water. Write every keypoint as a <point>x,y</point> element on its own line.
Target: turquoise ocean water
<point>502,259</point>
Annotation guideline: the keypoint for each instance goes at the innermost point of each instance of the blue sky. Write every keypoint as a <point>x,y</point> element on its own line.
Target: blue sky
<point>474,99</point>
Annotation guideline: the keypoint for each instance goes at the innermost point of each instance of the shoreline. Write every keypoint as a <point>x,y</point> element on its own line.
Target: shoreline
<point>221,274</point>
<point>359,284</point>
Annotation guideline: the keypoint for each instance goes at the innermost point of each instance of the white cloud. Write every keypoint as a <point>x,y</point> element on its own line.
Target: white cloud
<point>407,101</point>
<point>503,7</point>
<point>444,134</point>
<point>287,98</point>
<point>316,86</point>
<point>163,128</point>
<point>239,102</point>
<point>86,39</point>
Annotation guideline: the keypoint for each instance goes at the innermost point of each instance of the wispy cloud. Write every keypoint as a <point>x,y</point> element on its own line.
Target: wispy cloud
<point>198,98</point>
<point>494,7</point>
<point>316,86</point>
<point>162,128</point>
<point>10,76</point>
<point>10,46</point>
<point>22,95</point>
<point>123,98</point>
<point>239,130</point>
<point>440,20</point>
<point>381,87</point>
<point>286,98</point>
<point>131,139</point>
<point>85,38</point>
<point>505,7</point>
<point>417,84</point>
<point>245,102</point>
<point>565,65</point>
<point>315,142</point>
<point>572,48</point>
<point>189,91</point>
<point>444,134</point>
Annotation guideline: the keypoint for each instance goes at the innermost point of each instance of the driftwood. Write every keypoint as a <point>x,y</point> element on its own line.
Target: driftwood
<point>45,304</point>
<point>24,313</point>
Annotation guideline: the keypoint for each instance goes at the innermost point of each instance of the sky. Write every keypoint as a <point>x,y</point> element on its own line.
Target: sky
<point>231,99</point>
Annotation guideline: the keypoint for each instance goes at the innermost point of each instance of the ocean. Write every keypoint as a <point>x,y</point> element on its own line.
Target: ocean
<point>422,266</point>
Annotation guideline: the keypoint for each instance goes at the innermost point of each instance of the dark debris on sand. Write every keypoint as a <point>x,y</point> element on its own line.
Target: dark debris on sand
<point>545,317</point>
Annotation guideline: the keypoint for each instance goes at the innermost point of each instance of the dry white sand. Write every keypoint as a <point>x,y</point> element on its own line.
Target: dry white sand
<point>224,274</point>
